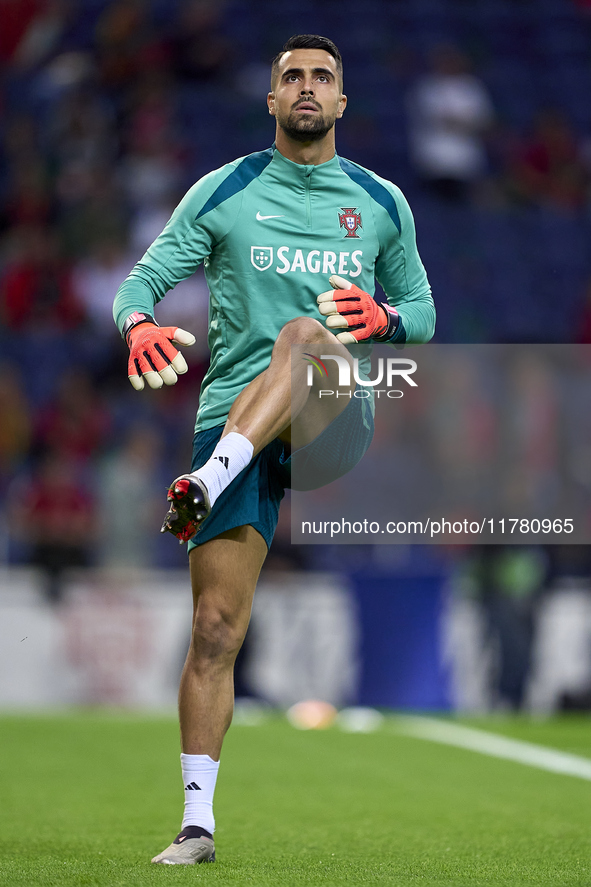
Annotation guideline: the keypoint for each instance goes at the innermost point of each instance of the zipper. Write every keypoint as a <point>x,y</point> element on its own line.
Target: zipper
<point>308,177</point>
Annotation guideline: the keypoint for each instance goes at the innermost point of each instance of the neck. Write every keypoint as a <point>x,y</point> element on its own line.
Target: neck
<point>307,153</point>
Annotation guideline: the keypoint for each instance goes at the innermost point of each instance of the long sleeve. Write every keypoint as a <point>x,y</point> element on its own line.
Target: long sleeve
<point>402,275</point>
<point>187,240</point>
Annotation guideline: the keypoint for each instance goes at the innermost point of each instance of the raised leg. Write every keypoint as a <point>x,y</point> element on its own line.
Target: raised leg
<point>265,408</point>
<point>277,403</point>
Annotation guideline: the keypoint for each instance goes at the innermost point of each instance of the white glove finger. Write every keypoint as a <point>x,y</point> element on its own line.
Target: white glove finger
<point>339,283</point>
<point>180,364</point>
<point>153,379</point>
<point>183,338</point>
<point>328,308</point>
<point>168,375</point>
<point>137,382</point>
<point>336,321</point>
<point>325,297</point>
<point>346,338</point>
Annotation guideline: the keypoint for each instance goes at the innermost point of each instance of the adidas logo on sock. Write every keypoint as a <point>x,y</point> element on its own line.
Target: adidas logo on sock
<point>223,459</point>
<point>192,787</point>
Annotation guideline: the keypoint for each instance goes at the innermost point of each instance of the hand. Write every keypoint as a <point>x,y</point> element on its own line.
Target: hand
<point>348,307</point>
<point>152,356</point>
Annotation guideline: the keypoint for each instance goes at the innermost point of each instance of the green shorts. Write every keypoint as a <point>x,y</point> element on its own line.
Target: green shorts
<point>255,495</point>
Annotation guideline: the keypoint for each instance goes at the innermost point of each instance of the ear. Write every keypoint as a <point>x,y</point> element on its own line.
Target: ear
<point>271,103</point>
<point>341,106</point>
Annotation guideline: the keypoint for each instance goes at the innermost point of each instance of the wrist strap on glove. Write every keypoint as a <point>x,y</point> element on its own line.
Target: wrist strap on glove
<point>393,319</point>
<point>134,320</point>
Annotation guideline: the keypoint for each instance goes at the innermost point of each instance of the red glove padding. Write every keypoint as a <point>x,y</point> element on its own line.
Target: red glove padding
<point>152,356</point>
<point>348,307</point>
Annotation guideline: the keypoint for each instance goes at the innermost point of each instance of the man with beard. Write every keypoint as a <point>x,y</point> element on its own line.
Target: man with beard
<point>271,228</point>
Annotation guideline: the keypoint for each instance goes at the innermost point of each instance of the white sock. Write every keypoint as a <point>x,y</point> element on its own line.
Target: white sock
<point>199,776</point>
<point>232,454</point>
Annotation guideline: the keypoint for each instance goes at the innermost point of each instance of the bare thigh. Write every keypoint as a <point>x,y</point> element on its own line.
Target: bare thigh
<point>319,410</point>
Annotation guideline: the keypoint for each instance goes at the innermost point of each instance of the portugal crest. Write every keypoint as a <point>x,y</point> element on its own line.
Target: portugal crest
<point>350,219</point>
<point>261,257</point>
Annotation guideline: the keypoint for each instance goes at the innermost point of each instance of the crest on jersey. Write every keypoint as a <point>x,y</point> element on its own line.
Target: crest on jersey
<point>261,257</point>
<point>350,219</point>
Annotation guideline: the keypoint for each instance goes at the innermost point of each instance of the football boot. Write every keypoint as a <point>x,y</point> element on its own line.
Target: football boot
<point>189,506</point>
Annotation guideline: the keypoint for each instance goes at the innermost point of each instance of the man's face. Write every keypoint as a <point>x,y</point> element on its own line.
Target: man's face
<point>307,94</point>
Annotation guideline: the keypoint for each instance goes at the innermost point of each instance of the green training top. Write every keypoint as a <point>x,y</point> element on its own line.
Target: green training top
<point>270,233</point>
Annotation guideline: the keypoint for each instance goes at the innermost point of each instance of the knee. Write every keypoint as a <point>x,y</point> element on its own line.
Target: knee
<point>216,637</point>
<point>302,330</point>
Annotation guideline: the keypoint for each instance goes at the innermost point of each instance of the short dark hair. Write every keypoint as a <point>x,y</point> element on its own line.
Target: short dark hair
<point>307,41</point>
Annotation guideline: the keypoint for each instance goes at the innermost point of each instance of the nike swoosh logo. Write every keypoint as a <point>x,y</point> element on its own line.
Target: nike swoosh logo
<point>182,838</point>
<point>261,218</point>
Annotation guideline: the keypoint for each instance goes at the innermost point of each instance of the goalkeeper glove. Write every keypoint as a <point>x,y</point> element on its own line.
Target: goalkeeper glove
<point>151,353</point>
<point>348,307</point>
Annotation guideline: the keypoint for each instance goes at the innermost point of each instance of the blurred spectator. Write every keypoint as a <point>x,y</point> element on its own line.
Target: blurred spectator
<point>548,168</point>
<point>570,568</point>
<point>42,35</point>
<point>449,112</point>
<point>76,424</point>
<point>199,50</point>
<point>508,581</point>
<point>28,192</point>
<point>82,131</point>
<point>17,17</point>
<point>36,288</point>
<point>146,224</point>
<point>96,277</point>
<point>90,206</point>
<point>15,423</point>
<point>29,197</point>
<point>126,43</point>
<point>534,435</point>
<point>462,416</point>
<point>152,167</point>
<point>53,512</point>
<point>30,30</point>
<point>130,500</point>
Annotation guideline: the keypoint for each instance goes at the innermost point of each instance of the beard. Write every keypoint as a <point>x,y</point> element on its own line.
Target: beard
<point>307,128</point>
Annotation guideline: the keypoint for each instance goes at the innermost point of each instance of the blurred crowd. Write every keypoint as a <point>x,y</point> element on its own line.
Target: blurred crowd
<point>111,109</point>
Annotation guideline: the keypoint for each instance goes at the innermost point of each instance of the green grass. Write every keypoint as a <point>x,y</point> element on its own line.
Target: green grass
<point>87,799</point>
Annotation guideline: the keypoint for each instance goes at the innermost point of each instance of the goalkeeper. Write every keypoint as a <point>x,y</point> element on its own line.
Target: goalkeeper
<point>292,239</point>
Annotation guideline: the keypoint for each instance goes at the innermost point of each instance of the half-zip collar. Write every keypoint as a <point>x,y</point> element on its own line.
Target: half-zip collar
<point>299,172</point>
<point>304,177</point>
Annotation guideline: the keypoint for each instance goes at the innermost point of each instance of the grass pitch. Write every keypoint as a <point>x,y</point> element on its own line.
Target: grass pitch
<point>87,799</point>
